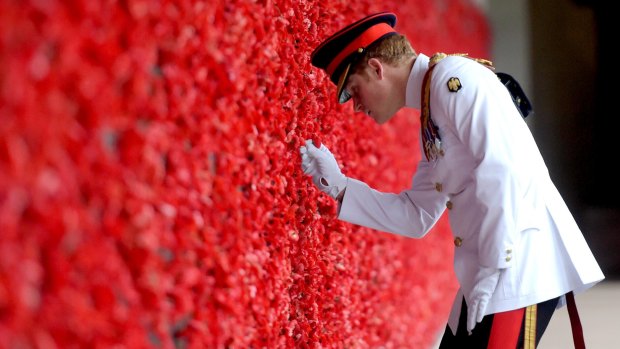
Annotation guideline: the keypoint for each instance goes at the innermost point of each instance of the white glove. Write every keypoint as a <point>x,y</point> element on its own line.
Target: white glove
<point>486,282</point>
<point>321,164</point>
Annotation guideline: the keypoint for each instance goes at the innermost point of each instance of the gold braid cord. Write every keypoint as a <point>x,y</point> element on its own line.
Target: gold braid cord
<point>440,55</point>
<point>529,342</point>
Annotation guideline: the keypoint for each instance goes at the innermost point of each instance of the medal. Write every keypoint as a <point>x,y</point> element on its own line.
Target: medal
<point>438,148</point>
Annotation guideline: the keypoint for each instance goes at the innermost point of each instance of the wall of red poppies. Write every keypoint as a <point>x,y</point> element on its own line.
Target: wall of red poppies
<point>150,185</point>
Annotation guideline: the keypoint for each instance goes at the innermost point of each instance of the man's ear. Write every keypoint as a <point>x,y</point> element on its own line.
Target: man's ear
<point>376,68</point>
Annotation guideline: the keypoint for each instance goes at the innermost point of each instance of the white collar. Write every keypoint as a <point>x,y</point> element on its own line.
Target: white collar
<point>413,93</point>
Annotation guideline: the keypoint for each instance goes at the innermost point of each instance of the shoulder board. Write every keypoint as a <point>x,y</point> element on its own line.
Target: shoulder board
<point>437,57</point>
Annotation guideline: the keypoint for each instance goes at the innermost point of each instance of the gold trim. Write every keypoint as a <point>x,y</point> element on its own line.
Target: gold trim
<point>529,340</point>
<point>440,55</point>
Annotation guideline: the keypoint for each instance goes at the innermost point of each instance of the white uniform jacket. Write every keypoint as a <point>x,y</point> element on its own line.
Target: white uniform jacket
<point>504,210</point>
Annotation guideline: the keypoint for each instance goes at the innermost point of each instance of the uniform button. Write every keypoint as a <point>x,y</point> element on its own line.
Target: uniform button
<point>509,251</point>
<point>458,242</point>
<point>508,258</point>
<point>449,205</point>
<point>438,187</point>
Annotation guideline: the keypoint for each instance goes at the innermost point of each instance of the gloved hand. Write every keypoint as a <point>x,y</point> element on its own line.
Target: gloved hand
<point>485,284</point>
<point>321,164</point>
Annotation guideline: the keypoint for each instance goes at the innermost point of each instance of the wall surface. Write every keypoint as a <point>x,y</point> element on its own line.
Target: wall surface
<point>150,187</point>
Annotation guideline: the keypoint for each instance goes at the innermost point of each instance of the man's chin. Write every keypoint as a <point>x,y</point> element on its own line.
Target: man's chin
<point>379,119</point>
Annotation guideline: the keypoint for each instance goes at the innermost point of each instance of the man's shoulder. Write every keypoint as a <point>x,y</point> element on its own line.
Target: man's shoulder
<point>453,69</point>
<point>459,63</point>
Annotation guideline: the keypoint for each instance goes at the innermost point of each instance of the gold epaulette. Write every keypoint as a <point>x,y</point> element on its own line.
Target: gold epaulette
<point>440,55</point>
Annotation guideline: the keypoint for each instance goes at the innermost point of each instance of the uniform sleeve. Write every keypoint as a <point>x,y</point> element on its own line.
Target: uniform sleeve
<point>411,213</point>
<point>484,118</point>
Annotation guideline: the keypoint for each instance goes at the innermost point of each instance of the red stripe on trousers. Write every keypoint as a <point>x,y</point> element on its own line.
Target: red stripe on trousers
<point>505,329</point>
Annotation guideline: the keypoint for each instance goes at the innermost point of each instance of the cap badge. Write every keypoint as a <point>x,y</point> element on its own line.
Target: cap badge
<point>454,84</point>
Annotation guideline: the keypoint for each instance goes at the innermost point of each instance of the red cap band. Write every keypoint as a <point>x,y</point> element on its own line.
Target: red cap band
<point>369,36</point>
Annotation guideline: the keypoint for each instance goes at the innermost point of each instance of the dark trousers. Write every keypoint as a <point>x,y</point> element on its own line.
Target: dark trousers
<point>480,335</point>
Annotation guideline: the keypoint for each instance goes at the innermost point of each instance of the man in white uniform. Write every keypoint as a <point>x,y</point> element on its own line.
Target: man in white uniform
<point>518,252</point>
